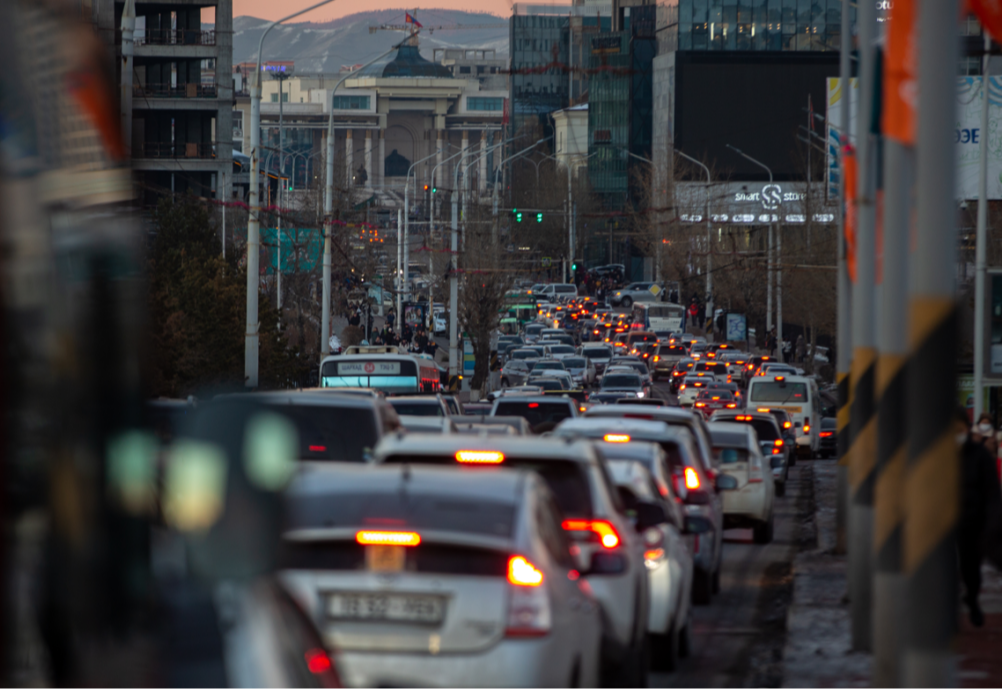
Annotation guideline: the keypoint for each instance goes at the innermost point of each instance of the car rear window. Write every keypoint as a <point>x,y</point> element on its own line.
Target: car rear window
<point>417,408</point>
<point>548,366</point>
<point>327,555</point>
<point>730,455</point>
<point>671,350</point>
<point>536,412</point>
<point>567,480</point>
<point>766,429</point>
<point>575,362</point>
<point>597,352</point>
<point>779,392</point>
<point>329,433</point>
<point>710,393</point>
<point>616,380</point>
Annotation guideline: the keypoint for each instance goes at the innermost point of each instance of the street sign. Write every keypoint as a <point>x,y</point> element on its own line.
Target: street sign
<point>655,290</point>
<point>547,261</point>
<point>736,327</point>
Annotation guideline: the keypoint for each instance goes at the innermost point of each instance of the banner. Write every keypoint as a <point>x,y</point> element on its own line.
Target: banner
<point>989,13</point>
<point>900,74</point>
<point>849,169</point>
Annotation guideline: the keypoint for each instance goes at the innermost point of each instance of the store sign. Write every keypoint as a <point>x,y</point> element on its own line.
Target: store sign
<point>756,203</point>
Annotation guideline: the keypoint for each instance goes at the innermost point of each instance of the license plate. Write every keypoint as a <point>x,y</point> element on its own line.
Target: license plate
<point>385,558</point>
<point>386,607</point>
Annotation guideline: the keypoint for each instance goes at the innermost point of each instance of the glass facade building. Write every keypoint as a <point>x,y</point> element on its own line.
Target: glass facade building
<point>540,81</point>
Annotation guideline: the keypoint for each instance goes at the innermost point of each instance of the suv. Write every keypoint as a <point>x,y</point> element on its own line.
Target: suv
<point>599,354</point>
<point>557,290</point>
<point>610,548</point>
<point>750,503</point>
<point>664,360</point>
<point>770,440</point>
<point>635,291</point>
<point>540,411</point>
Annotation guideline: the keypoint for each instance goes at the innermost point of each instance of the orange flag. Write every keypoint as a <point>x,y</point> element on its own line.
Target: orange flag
<point>989,13</point>
<point>849,174</point>
<point>900,72</point>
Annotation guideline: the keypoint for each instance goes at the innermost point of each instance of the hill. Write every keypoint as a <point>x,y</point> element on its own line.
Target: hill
<point>324,47</point>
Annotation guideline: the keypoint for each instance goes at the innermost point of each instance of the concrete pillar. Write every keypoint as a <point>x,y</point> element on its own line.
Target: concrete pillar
<point>224,95</point>
<point>463,161</point>
<point>482,170</point>
<point>438,157</point>
<point>368,158</point>
<point>349,154</point>
<point>381,163</point>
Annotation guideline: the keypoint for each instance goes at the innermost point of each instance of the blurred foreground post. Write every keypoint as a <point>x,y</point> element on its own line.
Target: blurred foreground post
<point>932,474</point>
<point>863,453</point>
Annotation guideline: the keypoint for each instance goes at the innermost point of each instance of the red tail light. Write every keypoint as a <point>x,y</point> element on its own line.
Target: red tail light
<point>521,572</point>
<point>700,404</point>
<point>826,434</point>
<point>732,406</point>
<point>807,428</point>
<point>317,661</point>
<point>605,531</point>
<point>691,479</point>
<point>778,443</point>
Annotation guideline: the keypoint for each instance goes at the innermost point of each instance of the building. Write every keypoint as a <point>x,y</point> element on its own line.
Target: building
<point>485,65</point>
<point>570,127</point>
<point>177,109</point>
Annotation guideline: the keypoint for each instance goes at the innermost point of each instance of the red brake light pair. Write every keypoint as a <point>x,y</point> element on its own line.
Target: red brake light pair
<point>826,434</point>
<point>605,531</point>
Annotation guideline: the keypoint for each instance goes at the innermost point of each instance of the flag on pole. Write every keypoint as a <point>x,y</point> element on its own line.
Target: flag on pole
<point>901,73</point>
<point>409,19</point>
<point>849,177</point>
<point>989,13</point>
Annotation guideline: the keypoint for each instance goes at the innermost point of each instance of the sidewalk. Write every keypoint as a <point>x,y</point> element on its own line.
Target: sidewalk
<point>818,648</point>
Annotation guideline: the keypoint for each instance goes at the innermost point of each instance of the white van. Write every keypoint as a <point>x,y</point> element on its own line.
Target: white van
<point>557,290</point>
<point>799,396</point>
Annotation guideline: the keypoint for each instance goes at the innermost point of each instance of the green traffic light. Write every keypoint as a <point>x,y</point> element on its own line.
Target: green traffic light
<point>518,217</point>
<point>539,217</point>
<point>434,190</point>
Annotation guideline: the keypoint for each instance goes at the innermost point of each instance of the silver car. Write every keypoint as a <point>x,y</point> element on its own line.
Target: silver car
<point>514,372</point>
<point>408,594</point>
<point>598,354</point>
<point>582,370</point>
<point>610,550</point>
<point>635,291</point>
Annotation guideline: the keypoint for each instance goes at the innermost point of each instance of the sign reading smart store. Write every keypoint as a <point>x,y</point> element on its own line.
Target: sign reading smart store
<point>755,203</point>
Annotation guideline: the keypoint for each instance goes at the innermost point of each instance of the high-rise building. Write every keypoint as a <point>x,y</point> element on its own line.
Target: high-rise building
<point>540,80</point>
<point>181,118</point>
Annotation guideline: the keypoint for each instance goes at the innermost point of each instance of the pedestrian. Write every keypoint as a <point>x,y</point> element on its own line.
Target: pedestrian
<point>801,349</point>
<point>770,342</point>
<point>694,313</point>
<point>981,498</point>
<point>390,318</point>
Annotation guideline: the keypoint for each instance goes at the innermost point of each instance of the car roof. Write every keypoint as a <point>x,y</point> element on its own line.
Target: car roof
<point>514,446</point>
<point>728,434</point>
<point>421,399</point>
<point>442,424</point>
<point>762,416</point>
<point>667,414</point>
<point>532,398</point>
<point>304,399</point>
<point>635,451</point>
<point>641,428</point>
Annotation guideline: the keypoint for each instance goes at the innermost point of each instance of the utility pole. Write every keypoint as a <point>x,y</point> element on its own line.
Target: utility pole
<point>281,77</point>
<point>932,476</point>
<point>981,250</point>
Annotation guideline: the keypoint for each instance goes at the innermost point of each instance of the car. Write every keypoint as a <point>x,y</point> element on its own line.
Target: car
<point>691,386</point>
<point>552,380</point>
<point>664,360</point>
<point>582,370</point>
<point>754,363</point>
<point>827,437</point>
<point>771,368</point>
<point>750,503</point>
<point>800,397</point>
<point>558,290</point>
<point>785,421</point>
<point>710,400</point>
<point>621,381</point>
<point>439,322</point>
<point>679,372</point>
<point>770,440</point>
<point>427,424</point>
<point>637,337</point>
<point>600,397</point>
<point>409,595</point>
<point>419,405</point>
<point>525,354</point>
<point>633,292</point>
<point>542,412</point>
<point>559,351</point>
<point>514,372</point>
<point>532,331</point>
<point>667,555</point>
<point>332,426</point>
<point>610,549</point>
<point>634,362</point>
<point>598,354</point>
<point>691,481</point>
<point>717,368</point>
<point>547,365</point>
<point>735,364</point>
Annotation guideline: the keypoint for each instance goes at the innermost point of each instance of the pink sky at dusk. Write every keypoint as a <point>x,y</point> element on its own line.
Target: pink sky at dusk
<point>276,9</point>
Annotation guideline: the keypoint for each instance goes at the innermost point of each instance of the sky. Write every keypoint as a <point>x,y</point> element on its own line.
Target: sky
<point>276,9</point>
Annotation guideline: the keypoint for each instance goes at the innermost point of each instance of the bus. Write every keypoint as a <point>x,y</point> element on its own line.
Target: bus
<point>658,316</point>
<point>385,369</point>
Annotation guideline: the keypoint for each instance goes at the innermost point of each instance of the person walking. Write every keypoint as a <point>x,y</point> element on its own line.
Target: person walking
<point>694,310</point>
<point>800,349</point>
<point>770,342</point>
<point>981,497</point>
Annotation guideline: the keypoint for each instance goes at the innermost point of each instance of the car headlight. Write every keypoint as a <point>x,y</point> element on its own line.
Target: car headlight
<point>640,394</point>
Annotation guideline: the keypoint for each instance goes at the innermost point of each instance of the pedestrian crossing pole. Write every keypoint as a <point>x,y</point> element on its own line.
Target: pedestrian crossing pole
<point>862,378</point>
<point>932,473</point>
<point>844,342</point>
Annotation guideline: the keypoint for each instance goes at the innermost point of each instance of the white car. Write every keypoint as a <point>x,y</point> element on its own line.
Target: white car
<point>558,350</point>
<point>668,560</point>
<point>582,370</point>
<point>691,386</point>
<point>409,595</point>
<point>749,503</point>
<point>439,321</point>
<point>563,376</point>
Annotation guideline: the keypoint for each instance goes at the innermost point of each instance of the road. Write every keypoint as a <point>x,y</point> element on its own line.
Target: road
<point>738,639</point>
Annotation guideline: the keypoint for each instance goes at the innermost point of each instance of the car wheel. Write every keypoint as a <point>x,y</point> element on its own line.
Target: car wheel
<point>702,587</point>
<point>780,489</point>
<point>762,533</point>
<point>627,302</point>
<point>664,650</point>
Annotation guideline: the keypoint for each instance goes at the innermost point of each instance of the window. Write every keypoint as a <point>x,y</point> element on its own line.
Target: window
<point>464,70</point>
<point>274,98</point>
<point>351,102</point>
<point>487,104</point>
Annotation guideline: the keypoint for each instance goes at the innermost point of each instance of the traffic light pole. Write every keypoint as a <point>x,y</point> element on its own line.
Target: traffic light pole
<point>404,240</point>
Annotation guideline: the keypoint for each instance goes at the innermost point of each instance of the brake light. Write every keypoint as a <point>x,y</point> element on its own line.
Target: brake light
<point>521,572</point>
<point>605,531</point>
<point>318,448</point>
<point>700,404</point>
<point>407,538</point>
<point>533,405</point>
<point>787,424</point>
<point>682,386</point>
<point>807,428</point>
<point>732,406</point>
<point>715,399</point>
<point>616,438</point>
<point>691,479</point>
<point>826,434</point>
<point>657,358</point>
<point>779,379</point>
<point>479,457</point>
<point>778,443</point>
<point>742,418</point>
<point>764,410</point>
<point>653,556</point>
<point>317,661</point>
<point>777,451</point>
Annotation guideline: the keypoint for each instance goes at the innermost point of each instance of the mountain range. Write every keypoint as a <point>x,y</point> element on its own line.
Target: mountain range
<point>325,47</point>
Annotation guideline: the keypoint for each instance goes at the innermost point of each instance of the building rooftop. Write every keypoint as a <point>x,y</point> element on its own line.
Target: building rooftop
<point>405,62</point>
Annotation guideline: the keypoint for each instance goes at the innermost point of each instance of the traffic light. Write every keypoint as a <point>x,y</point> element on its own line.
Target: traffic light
<point>518,217</point>
<point>539,217</point>
<point>434,190</point>
<point>426,187</point>
<point>574,266</point>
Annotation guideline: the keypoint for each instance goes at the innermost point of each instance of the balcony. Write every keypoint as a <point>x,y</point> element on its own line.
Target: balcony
<point>177,37</point>
<point>168,91</point>
<point>174,150</point>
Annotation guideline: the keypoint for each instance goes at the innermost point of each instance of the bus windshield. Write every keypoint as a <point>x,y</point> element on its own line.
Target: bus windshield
<point>392,376</point>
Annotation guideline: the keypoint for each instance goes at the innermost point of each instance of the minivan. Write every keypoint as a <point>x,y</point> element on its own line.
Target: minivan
<point>800,397</point>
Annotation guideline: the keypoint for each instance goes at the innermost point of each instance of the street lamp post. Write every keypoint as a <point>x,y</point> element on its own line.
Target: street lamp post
<point>709,241</point>
<point>769,265</point>
<point>325,326</point>
<point>251,343</point>
<point>406,237</point>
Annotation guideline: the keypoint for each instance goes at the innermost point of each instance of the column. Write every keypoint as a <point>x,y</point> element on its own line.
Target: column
<point>368,158</point>
<point>463,162</point>
<point>482,173</point>
<point>438,156</point>
<point>381,163</point>
<point>349,154</point>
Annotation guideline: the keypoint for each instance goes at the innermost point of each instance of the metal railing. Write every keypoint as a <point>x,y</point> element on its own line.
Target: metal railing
<point>168,91</point>
<point>174,150</point>
<point>177,37</point>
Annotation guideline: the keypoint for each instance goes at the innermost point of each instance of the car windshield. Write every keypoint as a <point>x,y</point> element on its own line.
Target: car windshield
<point>409,408</point>
<point>548,366</point>
<point>730,455</point>
<point>597,352</point>
<point>621,380</point>
<point>779,392</point>
<point>524,354</point>
<point>575,362</point>
<point>329,433</point>
<point>716,395</point>
<point>561,349</point>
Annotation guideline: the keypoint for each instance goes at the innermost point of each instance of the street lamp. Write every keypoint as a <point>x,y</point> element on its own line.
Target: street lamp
<point>251,343</point>
<point>404,251</point>
<point>325,319</point>
<point>709,241</point>
<point>769,266</point>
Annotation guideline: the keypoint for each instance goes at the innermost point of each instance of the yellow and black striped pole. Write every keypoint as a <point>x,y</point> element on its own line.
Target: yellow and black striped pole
<point>892,417</point>
<point>932,474</point>
<point>862,378</point>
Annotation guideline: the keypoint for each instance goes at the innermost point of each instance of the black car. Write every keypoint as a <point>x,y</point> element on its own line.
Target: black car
<point>827,447</point>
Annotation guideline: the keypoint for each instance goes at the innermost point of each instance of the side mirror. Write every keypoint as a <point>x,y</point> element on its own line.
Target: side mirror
<point>726,482</point>
<point>649,514</point>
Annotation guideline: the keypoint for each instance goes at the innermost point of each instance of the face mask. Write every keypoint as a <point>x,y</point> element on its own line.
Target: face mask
<point>984,428</point>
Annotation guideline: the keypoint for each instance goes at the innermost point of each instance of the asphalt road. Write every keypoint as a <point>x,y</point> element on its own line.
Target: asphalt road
<point>738,639</point>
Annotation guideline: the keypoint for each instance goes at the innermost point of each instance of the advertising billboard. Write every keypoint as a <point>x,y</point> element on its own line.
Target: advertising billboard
<point>967,136</point>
